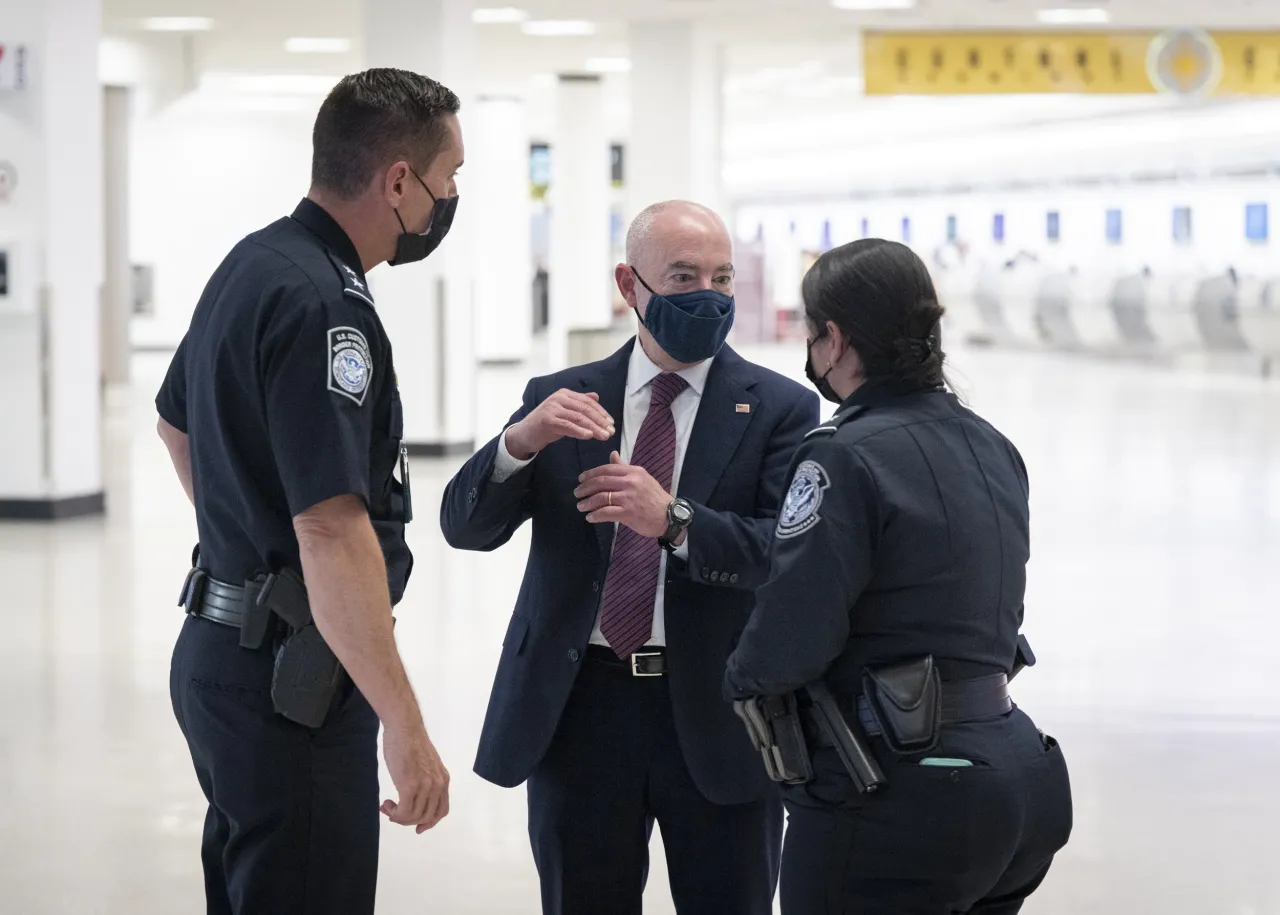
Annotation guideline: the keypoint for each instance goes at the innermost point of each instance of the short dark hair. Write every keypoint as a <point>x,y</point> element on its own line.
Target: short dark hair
<point>373,118</point>
<point>879,293</point>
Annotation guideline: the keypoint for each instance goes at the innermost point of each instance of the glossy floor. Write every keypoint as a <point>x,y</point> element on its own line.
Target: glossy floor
<point>1154,606</point>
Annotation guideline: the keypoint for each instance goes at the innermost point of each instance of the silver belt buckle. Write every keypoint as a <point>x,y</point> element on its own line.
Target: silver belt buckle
<point>635,663</point>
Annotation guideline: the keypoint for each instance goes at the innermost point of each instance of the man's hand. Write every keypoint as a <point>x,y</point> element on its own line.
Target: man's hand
<point>625,493</point>
<point>421,779</point>
<point>564,413</point>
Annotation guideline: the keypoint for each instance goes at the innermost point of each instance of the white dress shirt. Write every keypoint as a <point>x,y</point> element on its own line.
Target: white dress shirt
<point>684,409</point>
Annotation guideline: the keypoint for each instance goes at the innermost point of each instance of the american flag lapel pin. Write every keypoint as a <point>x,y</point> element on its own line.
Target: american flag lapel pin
<point>744,408</point>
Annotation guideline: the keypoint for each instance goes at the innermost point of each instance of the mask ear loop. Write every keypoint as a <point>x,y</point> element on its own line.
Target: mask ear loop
<point>641,279</point>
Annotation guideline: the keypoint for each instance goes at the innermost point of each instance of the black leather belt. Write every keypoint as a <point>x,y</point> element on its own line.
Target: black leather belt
<point>962,700</point>
<point>649,662</point>
<point>209,599</point>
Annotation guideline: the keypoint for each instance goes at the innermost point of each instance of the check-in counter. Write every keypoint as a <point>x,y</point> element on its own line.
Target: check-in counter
<point>956,292</point>
<point>1217,312</point>
<point>1172,313</point>
<point>1130,307</point>
<point>1259,301</point>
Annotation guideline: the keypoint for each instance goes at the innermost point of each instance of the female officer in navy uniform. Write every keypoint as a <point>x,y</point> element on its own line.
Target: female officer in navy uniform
<point>904,538</point>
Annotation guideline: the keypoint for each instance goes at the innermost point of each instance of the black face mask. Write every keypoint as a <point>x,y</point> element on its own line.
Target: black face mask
<point>820,382</point>
<point>411,247</point>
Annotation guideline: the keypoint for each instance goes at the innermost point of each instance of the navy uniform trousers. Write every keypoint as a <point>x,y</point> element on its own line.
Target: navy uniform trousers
<point>613,768</point>
<point>935,840</point>
<point>292,826</point>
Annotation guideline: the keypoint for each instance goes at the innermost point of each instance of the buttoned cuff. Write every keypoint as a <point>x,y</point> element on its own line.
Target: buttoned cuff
<point>504,465</point>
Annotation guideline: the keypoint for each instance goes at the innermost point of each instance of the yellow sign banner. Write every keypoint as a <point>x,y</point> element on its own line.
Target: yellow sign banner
<point>1117,63</point>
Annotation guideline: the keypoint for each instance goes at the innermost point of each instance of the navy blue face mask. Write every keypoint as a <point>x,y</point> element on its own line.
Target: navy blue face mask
<point>689,326</point>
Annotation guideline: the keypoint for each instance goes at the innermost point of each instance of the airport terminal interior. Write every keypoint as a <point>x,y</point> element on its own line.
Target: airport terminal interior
<point>1090,183</point>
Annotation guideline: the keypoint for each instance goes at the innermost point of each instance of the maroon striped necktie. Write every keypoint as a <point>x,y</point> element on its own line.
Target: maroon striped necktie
<point>631,586</point>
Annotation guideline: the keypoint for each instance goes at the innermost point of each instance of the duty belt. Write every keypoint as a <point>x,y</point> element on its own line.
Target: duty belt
<point>962,701</point>
<point>213,600</point>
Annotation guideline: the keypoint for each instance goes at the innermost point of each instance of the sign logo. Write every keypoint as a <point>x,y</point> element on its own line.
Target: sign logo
<point>350,365</point>
<point>1184,63</point>
<point>804,498</point>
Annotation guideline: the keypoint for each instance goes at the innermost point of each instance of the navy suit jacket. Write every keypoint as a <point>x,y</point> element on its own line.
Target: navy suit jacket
<point>734,474</point>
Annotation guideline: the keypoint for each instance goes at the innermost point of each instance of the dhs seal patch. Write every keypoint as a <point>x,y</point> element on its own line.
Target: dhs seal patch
<point>350,365</point>
<point>800,510</point>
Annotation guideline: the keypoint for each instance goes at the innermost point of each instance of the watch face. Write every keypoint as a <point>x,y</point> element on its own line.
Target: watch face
<point>682,513</point>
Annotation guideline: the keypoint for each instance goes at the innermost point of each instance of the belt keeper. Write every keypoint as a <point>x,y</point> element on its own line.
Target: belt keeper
<point>190,597</point>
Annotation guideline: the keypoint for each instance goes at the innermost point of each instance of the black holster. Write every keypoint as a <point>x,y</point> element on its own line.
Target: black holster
<point>774,726</point>
<point>307,673</point>
<point>858,761</point>
<point>906,701</point>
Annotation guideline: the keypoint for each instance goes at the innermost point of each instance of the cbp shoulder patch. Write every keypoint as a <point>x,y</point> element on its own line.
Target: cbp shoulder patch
<point>350,364</point>
<point>804,498</point>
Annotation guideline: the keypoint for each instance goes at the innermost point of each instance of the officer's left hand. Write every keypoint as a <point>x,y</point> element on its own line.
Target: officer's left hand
<point>625,493</point>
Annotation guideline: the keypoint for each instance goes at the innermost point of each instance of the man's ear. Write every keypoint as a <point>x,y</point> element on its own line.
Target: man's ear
<point>394,182</point>
<point>625,277</point>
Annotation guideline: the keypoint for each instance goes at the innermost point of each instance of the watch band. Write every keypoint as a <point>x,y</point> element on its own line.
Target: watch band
<point>674,527</point>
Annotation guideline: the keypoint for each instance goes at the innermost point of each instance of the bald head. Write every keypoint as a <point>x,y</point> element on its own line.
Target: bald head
<point>672,248</point>
<point>678,246</point>
<point>659,221</point>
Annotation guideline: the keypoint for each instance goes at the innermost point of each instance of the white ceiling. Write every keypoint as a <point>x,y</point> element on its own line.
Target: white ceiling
<point>252,32</point>
<point>793,72</point>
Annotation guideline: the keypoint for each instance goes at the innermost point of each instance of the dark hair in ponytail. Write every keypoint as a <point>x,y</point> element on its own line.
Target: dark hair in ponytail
<point>880,295</point>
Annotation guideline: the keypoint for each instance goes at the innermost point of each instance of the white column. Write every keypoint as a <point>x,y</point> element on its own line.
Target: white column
<point>580,270</point>
<point>677,77</point>
<point>51,228</point>
<point>427,307</point>
<point>117,307</point>
<point>497,180</point>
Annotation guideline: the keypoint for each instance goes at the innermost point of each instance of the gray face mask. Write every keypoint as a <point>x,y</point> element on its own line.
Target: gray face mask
<point>411,247</point>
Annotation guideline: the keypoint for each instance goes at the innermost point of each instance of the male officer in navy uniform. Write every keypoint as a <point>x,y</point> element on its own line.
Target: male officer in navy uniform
<point>652,479</point>
<point>281,414</point>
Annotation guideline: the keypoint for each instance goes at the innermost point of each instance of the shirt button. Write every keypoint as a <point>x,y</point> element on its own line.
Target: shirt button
<point>573,655</point>
<point>733,579</point>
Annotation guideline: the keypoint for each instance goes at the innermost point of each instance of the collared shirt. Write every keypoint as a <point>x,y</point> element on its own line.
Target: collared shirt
<point>684,410</point>
<point>285,384</point>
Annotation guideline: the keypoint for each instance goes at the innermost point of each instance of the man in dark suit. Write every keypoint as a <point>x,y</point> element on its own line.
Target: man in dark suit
<point>653,481</point>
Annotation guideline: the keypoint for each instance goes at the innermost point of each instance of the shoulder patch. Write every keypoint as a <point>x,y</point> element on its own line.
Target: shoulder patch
<point>350,364</point>
<point>804,498</point>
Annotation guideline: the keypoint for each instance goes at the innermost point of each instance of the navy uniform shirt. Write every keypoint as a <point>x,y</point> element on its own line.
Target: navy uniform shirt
<point>285,386</point>
<point>904,533</point>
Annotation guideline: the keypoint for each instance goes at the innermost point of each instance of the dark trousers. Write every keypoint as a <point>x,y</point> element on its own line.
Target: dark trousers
<point>292,826</point>
<point>614,767</point>
<point>935,841</point>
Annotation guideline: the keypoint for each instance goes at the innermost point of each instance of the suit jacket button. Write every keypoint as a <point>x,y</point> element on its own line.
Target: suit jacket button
<point>595,586</point>
<point>473,495</point>
<point>706,573</point>
<point>724,578</point>
<point>733,579</point>
<point>573,655</point>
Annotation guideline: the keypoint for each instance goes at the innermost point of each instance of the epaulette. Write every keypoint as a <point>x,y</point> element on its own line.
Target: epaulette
<point>835,422</point>
<point>352,284</point>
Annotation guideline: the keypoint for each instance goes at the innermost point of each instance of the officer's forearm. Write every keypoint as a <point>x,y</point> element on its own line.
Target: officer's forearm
<point>179,448</point>
<point>346,578</point>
